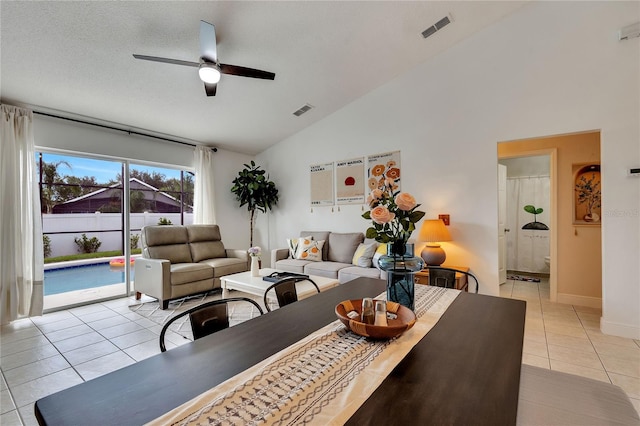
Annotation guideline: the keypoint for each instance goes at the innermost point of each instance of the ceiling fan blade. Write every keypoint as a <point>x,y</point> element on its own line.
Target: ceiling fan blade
<point>167,60</point>
<point>208,42</point>
<point>246,72</point>
<point>210,89</point>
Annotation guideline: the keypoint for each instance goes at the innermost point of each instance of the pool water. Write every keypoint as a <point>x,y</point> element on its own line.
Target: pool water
<point>81,277</point>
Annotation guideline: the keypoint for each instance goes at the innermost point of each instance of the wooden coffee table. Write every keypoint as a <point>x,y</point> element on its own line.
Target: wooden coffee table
<point>244,282</point>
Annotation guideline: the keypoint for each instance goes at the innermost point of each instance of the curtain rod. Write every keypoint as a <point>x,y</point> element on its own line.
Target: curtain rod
<point>131,132</point>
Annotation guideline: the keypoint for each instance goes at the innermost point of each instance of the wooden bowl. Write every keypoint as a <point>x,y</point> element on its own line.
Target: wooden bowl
<point>395,327</point>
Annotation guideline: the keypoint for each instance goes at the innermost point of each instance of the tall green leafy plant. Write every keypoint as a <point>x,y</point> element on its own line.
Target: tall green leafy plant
<point>254,190</point>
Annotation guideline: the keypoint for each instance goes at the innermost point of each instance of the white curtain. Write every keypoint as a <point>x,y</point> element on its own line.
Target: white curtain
<point>21,255</point>
<point>204,194</point>
<point>526,248</point>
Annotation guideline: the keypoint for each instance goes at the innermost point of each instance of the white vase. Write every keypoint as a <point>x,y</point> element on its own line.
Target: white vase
<point>255,266</point>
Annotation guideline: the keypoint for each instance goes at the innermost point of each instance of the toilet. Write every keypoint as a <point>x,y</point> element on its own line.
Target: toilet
<point>547,261</point>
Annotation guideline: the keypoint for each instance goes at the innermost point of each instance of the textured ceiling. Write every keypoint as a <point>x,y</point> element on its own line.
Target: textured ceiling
<point>75,58</point>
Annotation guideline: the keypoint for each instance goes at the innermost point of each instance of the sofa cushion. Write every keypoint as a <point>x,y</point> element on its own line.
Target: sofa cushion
<point>198,233</point>
<point>324,269</point>
<point>310,250</point>
<point>226,265</point>
<point>207,250</point>
<point>166,242</point>
<point>174,253</point>
<point>353,272</point>
<point>185,273</point>
<point>162,235</point>
<point>291,265</point>
<point>319,236</point>
<point>363,255</point>
<point>343,246</point>
<point>204,242</point>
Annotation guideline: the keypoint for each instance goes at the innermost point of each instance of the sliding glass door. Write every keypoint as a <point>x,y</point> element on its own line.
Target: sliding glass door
<point>93,211</point>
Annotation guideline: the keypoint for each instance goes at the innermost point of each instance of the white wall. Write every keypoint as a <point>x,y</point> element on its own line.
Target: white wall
<point>550,68</point>
<point>66,136</point>
<point>537,165</point>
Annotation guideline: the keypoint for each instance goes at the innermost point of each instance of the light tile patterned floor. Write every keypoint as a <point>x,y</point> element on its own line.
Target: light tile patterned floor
<point>568,338</point>
<point>43,355</point>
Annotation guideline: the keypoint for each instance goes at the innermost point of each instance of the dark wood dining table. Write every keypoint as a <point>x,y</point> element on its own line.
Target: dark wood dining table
<point>466,370</point>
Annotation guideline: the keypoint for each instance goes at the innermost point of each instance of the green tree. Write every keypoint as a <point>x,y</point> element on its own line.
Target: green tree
<point>81,186</point>
<point>155,179</point>
<point>50,194</point>
<point>253,189</point>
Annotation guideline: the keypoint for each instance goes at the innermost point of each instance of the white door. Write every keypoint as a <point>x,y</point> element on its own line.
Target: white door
<point>502,223</point>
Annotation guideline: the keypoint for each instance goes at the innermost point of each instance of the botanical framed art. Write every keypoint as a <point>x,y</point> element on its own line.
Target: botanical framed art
<point>587,194</point>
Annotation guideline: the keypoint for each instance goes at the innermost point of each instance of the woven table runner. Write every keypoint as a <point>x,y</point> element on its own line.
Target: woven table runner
<point>323,379</point>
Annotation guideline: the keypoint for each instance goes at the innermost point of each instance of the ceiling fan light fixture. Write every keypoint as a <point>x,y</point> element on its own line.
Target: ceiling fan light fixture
<point>209,73</point>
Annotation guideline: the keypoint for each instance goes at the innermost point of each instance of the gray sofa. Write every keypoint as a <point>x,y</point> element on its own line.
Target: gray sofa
<point>337,255</point>
<point>179,261</point>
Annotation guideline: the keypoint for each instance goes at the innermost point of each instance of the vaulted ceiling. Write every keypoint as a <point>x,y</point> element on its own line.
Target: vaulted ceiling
<point>75,58</point>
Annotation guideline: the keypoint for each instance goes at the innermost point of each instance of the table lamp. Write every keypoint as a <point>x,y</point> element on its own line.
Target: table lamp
<point>433,232</point>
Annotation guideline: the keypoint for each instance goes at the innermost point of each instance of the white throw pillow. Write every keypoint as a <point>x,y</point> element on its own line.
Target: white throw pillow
<point>292,244</point>
<point>309,249</point>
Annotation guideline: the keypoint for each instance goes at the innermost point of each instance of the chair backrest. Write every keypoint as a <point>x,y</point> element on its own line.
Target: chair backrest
<point>286,292</point>
<point>446,277</point>
<point>207,318</point>
<point>442,277</point>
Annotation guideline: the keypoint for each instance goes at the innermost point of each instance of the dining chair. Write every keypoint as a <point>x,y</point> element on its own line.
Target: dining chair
<point>286,292</point>
<point>441,276</point>
<point>207,318</point>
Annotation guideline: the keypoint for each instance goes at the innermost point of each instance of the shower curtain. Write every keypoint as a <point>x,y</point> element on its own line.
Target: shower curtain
<point>526,249</point>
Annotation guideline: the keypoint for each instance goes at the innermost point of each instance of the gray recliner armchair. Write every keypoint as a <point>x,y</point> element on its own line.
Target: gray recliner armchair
<point>179,261</point>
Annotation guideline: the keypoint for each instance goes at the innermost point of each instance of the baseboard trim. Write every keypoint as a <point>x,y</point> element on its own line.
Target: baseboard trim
<point>618,329</point>
<point>573,299</point>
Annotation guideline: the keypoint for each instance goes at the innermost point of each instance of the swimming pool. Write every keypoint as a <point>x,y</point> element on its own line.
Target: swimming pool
<point>80,277</point>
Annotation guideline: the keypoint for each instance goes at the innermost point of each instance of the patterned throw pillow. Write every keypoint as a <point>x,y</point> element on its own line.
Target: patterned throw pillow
<point>363,255</point>
<point>292,244</point>
<point>309,249</point>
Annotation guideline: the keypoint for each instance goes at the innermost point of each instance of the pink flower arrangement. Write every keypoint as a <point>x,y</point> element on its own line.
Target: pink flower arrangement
<point>393,218</point>
<point>254,251</point>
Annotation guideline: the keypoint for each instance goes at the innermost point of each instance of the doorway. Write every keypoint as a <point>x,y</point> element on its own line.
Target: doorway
<point>527,231</point>
<point>575,243</point>
<point>527,199</point>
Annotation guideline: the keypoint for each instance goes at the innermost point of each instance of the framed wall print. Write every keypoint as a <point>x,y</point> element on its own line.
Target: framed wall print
<point>321,176</point>
<point>587,194</point>
<point>381,167</point>
<point>350,181</point>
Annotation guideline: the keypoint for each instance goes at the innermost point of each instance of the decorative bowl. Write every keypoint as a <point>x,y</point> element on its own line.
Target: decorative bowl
<point>405,319</point>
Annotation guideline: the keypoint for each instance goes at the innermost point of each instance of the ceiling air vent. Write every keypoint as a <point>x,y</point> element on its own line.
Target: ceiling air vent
<point>437,26</point>
<point>302,110</point>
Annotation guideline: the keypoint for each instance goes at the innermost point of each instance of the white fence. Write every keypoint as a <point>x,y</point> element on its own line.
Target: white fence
<point>62,229</point>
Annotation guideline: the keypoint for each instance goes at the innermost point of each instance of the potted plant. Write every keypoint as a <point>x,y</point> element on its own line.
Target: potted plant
<point>253,189</point>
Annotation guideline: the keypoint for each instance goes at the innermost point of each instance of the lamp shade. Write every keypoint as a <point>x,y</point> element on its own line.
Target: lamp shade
<point>433,231</point>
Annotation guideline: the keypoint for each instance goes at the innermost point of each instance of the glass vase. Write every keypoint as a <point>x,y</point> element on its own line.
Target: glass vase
<point>401,265</point>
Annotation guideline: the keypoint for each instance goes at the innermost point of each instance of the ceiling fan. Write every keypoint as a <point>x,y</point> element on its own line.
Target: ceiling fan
<point>209,69</point>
